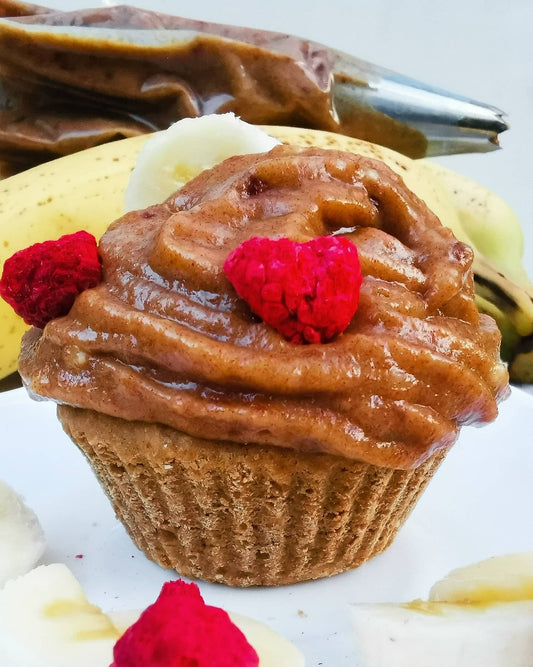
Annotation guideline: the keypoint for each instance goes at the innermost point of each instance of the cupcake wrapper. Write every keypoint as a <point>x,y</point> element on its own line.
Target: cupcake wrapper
<point>243,515</point>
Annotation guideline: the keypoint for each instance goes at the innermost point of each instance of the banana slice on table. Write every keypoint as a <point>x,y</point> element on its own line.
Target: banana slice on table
<point>272,649</point>
<point>88,190</point>
<point>47,621</point>
<point>499,579</point>
<point>478,615</point>
<point>22,540</point>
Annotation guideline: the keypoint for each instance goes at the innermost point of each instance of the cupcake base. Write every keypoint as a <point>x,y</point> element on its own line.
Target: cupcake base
<point>243,515</point>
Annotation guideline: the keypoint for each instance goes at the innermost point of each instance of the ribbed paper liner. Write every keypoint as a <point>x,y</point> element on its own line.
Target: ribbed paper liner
<point>243,515</point>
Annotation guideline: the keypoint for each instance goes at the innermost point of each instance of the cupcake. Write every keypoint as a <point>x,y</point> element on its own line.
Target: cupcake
<point>230,452</point>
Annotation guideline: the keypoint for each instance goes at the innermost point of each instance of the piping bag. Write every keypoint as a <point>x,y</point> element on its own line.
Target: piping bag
<point>72,80</point>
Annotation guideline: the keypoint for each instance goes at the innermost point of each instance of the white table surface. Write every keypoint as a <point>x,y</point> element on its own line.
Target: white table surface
<point>482,49</point>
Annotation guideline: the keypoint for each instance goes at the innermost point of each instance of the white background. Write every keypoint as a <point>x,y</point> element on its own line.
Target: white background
<point>482,49</point>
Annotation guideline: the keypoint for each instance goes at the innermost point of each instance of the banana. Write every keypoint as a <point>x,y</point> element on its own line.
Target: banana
<point>184,150</point>
<point>87,190</point>
<point>522,363</point>
<point>47,621</point>
<point>490,224</point>
<point>21,537</point>
<point>272,649</point>
<point>510,337</point>
<point>512,299</point>
<point>506,578</point>
<point>511,305</point>
<point>478,615</point>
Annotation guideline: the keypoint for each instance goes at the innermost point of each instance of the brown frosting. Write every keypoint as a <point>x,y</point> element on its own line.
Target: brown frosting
<point>164,338</point>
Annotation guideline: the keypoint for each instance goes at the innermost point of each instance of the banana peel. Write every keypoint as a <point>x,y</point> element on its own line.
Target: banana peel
<point>85,190</point>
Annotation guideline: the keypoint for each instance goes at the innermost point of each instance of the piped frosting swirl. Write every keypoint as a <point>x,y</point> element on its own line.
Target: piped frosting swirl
<point>164,338</point>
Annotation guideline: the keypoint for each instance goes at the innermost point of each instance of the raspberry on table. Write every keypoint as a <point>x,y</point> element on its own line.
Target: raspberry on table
<point>180,630</point>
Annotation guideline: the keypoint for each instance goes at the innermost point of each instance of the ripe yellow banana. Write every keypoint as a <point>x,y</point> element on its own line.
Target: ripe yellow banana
<point>85,190</point>
<point>490,224</point>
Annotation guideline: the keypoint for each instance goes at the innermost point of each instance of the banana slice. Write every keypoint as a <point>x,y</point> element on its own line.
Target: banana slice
<point>22,540</point>
<point>171,158</point>
<point>47,621</point>
<point>272,649</point>
<point>478,615</point>
<point>444,635</point>
<point>499,579</point>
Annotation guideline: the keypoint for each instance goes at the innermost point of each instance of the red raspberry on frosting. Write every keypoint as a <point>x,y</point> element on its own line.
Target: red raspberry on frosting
<point>180,630</point>
<point>42,281</point>
<point>308,292</point>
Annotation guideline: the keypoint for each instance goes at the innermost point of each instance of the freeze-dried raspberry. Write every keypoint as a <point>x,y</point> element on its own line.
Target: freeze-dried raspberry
<point>180,630</point>
<point>42,281</point>
<point>308,292</point>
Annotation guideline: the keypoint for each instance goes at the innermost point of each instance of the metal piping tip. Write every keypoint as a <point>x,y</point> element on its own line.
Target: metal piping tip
<point>449,123</point>
<point>454,139</point>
